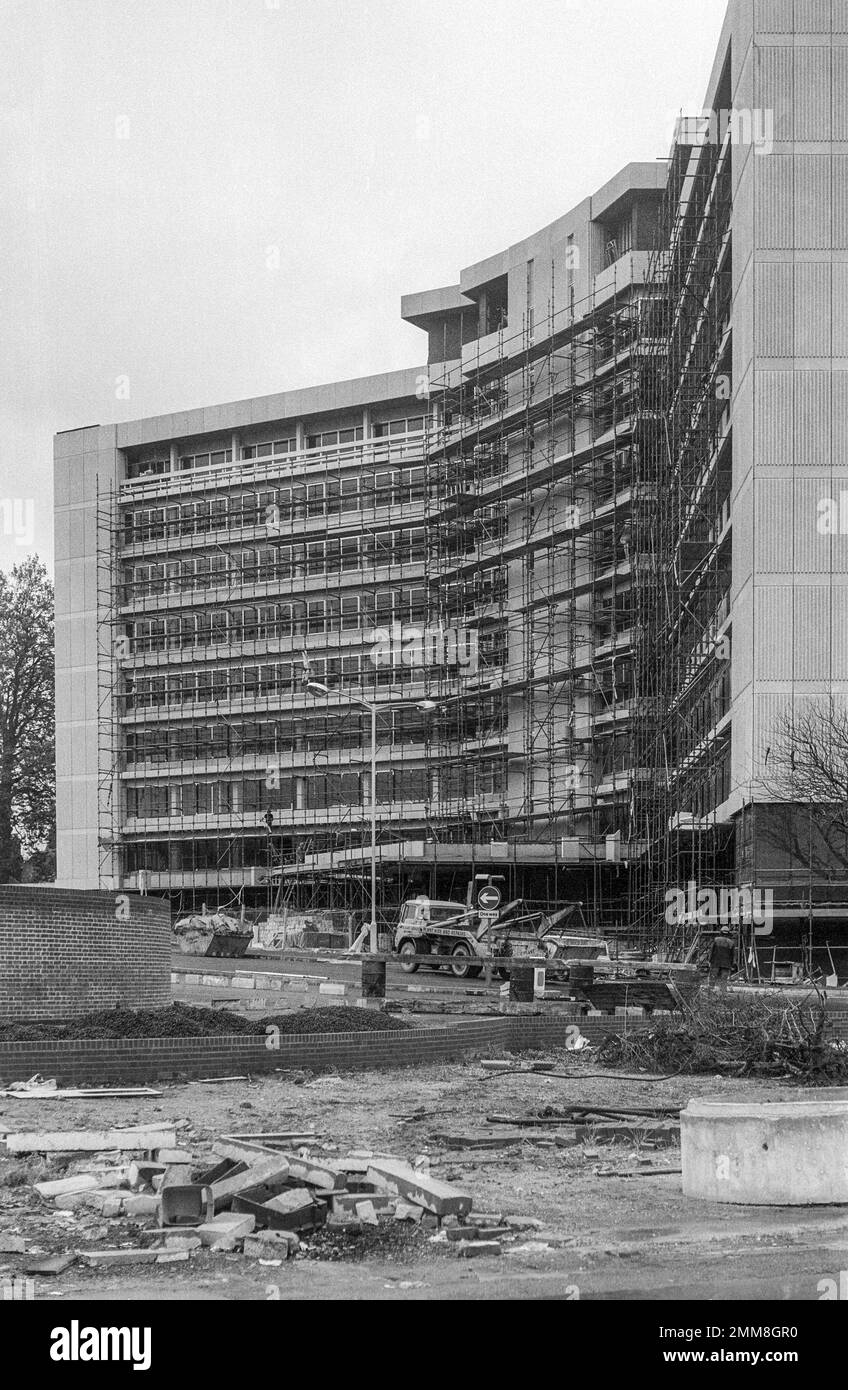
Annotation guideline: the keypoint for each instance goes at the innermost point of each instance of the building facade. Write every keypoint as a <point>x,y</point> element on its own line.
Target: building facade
<point>586,533</point>
<point>745,427</point>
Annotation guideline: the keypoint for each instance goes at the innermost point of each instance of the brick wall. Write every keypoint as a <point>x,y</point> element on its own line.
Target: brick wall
<point>159,1059</point>
<point>65,952</point>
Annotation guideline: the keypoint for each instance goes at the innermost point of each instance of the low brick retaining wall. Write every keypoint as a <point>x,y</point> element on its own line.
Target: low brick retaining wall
<point>524,1027</point>
<point>76,1062</point>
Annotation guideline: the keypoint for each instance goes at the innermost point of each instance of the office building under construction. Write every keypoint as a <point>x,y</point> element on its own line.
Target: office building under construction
<point>572,560</point>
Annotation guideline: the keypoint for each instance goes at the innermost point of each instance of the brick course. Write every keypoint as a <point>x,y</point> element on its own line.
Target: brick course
<point>65,952</point>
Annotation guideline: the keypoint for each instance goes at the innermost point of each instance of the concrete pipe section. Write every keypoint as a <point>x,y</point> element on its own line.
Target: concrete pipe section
<point>790,1148</point>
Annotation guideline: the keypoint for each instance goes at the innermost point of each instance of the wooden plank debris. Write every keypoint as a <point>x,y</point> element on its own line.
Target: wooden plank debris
<point>95,1093</point>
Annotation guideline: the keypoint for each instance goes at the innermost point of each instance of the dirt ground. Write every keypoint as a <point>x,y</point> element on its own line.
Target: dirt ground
<point>598,1235</point>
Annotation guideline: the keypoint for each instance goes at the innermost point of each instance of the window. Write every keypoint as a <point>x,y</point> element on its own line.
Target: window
<point>333,438</point>
<point>384,484</point>
<point>349,494</point>
<point>350,553</point>
<point>147,468</point>
<point>192,461</point>
<point>269,450</point>
<point>391,429</point>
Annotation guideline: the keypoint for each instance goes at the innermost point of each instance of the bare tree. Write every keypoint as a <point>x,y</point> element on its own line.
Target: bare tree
<point>27,777</point>
<point>806,770</point>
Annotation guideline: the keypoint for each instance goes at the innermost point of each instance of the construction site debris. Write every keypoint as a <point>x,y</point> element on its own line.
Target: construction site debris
<point>735,1035</point>
<point>269,1205</point>
<point>225,1229</point>
<point>92,1141</point>
<point>39,1089</point>
<point>472,1249</point>
<point>49,1264</point>
<point>279,1139</point>
<point>262,1244</point>
<point>434,1196</point>
<point>322,1176</point>
<point>263,1171</point>
<point>478,1141</point>
<point>186,1205</point>
<point>105,1258</point>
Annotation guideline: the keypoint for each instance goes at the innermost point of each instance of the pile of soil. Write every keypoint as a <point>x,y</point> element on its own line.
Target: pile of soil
<point>188,1021</point>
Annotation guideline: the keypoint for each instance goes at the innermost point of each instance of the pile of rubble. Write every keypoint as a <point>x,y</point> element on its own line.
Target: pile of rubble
<point>270,1196</point>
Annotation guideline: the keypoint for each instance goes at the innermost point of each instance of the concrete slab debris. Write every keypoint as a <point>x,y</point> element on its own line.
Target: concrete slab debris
<point>434,1196</point>
<point>225,1228</point>
<point>67,1187</point>
<point>12,1245</point>
<point>93,1141</point>
<point>325,1177</point>
<point>274,1168</point>
<point>49,1264</point>
<point>103,1259</point>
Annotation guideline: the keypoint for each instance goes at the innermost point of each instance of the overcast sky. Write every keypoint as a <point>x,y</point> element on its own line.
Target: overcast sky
<point>215,199</point>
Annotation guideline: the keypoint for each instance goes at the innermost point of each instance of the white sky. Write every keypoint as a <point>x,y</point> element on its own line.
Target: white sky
<point>153,153</point>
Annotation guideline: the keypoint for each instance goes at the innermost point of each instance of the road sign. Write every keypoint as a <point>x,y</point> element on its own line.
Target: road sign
<point>489,898</point>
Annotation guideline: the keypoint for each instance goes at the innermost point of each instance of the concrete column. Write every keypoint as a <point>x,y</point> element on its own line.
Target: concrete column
<point>235,445</point>
<point>366,421</point>
<point>300,436</point>
<point>175,462</point>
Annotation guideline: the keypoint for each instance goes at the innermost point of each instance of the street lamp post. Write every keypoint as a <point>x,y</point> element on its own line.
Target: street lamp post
<point>373,709</point>
<point>426,707</point>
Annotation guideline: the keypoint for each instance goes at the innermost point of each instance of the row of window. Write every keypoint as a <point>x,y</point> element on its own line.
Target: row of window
<point>267,449</point>
<point>279,680</point>
<point>270,449</point>
<point>390,429</point>
<point>283,679</point>
<point>268,738</point>
<point>276,621</point>
<point>275,564</point>
<point>349,728</point>
<point>276,507</point>
<point>253,796</point>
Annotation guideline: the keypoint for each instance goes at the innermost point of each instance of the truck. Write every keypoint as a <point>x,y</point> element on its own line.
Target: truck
<point>429,929</point>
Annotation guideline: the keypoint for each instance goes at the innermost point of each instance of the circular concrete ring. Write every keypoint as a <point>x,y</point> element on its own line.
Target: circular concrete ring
<point>785,1149</point>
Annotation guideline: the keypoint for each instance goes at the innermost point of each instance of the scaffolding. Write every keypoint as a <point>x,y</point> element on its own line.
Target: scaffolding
<point>533,466</point>
<point>221,594</point>
<point>554,510</point>
<point>682,654</point>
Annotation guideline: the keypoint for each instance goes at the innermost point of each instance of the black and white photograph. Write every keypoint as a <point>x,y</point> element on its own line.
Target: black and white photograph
<point>423,676</point>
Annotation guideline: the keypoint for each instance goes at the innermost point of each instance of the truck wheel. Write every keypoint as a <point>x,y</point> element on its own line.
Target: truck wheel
<point>461,966</point>
<point>409,961</point>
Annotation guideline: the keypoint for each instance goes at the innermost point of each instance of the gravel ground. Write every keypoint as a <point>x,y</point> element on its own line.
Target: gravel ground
<point>396,1112</point>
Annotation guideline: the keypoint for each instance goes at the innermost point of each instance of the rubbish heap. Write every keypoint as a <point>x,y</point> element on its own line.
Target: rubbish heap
<point>268,1196</point>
